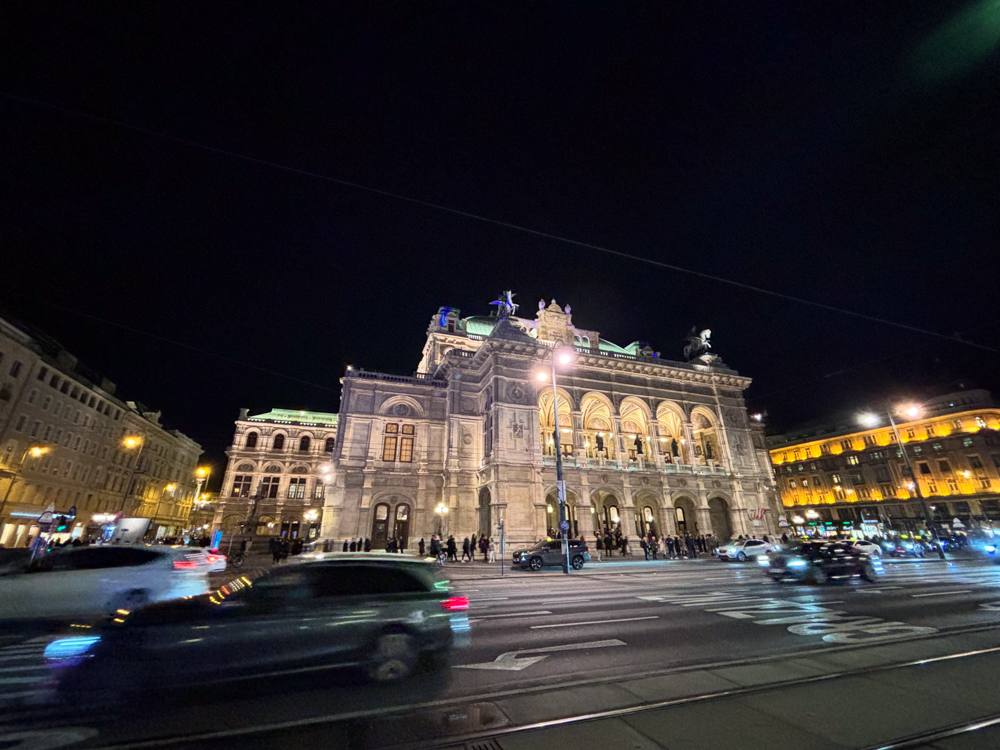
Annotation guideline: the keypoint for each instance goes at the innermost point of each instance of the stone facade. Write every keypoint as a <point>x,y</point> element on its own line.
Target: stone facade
<point>648,443</point>
<point>279,459</point>
<point>845,474</point>
<point>48,400</point>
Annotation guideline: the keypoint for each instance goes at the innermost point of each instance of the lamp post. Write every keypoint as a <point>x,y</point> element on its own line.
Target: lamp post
<point>441,511</point>
<point>202,473</point>
<point>913,412</point>
<point>130,442</point>
<point>166,488</point>
<point>34,451</point>
<point>565,358</point>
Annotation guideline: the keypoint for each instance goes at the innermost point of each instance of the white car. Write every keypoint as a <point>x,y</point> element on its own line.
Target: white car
<point>98,580</point>
<point>869,548</point>
<point>743,549</point>
<point>212,559</point>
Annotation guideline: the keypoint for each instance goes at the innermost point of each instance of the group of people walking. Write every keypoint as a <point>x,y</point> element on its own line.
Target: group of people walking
<point>280,548</point>
<point>671,547</point>
<point>449,549</point>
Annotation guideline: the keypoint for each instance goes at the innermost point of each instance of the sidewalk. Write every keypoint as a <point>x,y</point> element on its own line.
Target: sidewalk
<point>861,698</point>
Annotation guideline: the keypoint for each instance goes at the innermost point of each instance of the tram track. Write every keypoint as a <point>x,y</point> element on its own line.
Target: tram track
<point>458,703</point>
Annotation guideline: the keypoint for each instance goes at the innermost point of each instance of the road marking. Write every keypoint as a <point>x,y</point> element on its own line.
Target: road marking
<point>593,622</point>
<point>512,614</point>
<point>510,661</point>
<point>491,598</point>
<point>561,601</point>
<point>942,593</point>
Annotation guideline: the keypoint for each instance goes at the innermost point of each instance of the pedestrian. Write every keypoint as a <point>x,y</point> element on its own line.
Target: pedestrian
<point>645,547</point>
<point>656,547</point>
<point>484,546</point>
<point>492,549</point>
<point>692,551</point>
<point>452,549</point>
<point>275,550</point>
<point>420,547</point>
<point>668,547</point>
<point>345,545</point>
<point>472,545</point>
<point>784,538</point>
<point>465,550</point>
<point>435,546</point>
<point>368,545</point>
<point>354,546</point>
<point>600,546</point>
<point>284,549</point>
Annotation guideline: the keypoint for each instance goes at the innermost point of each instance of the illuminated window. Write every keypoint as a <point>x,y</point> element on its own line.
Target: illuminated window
<point>952,485</point>
<point>910,433</point>
<point>408,429</point>
<point>241,485</point>
<point>402,512</point>
<point>269,487</point>
<point>918,449</point>
<point>791,483</point>
<point>869,439</point>
<point>389,447</point>
<point>980,422</point>
<point>836,478</point>
<point>392,428</point>
<point>296,488</point>
<point>984,483</point>
<point>381,512</point>
<point>967,442</point>
<point>845,444</point>
<point>319,491</point>
<point>406,449</point>
<point>853,460</point>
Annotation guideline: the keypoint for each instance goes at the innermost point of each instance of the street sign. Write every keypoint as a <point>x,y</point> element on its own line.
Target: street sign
<point>564,525</point>
<point>45,519</point>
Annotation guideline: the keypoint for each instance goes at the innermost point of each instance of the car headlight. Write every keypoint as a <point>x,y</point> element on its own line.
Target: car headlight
<point>796,563</point>
<point>990,548</point>
<point>761,560</point>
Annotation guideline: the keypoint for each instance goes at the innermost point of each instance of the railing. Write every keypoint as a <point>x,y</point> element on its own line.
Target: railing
<point>476,336</point>
<point>419,378</point>
<point>636,465</point>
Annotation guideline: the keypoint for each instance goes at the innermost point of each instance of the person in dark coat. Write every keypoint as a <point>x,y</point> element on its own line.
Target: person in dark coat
<point>472,546</point>
<point>421,547</point>
<point>284,549</point>
<point>484,547</point>
<point>645,547</point>
<point>368,545</point>
<point>452,550</point>
<point>465,550</point>
<point>274,546</point>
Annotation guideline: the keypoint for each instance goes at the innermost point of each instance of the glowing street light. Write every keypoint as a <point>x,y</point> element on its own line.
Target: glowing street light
<point>911,411</point>
<point>35,451</point>
<point>131,442</point>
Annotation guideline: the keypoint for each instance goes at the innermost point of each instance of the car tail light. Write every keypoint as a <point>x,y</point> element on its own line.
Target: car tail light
<point>185,565</point>
<point>455,603</point>
<point>215,558</point>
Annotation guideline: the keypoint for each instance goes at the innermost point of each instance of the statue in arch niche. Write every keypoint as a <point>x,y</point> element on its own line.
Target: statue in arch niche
<point>697,343</point>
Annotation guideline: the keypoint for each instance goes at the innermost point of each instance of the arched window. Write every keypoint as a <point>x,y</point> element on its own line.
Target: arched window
<point>251,440</point>
<point>304,444</point>
<point>328,446</point>
<point>279,442</point>
<point>381,512</point>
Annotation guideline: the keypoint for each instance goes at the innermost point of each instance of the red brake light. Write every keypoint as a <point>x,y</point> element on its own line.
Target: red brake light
<point>455,603</point>
<point>213,558</point>
<point>185,565</point>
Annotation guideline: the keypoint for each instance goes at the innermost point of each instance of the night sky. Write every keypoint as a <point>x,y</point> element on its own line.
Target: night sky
<point>846,153</point>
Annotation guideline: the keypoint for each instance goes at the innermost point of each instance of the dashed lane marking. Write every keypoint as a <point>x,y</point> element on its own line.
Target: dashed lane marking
<point>941,593</point>
<point>511,614</point>
<point>593,622</point>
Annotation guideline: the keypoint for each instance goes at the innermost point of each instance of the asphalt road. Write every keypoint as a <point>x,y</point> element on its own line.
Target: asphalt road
<point>536,632</point>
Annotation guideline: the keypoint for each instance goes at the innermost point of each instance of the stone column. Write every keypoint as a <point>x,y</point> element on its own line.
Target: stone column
<point>687,449</point>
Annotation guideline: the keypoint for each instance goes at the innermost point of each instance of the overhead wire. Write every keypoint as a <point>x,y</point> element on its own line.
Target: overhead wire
<point>491,220</point>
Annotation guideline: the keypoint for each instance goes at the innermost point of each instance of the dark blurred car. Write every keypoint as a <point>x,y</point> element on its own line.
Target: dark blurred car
<point>906,548</point>
<point>820,562</point>
<point>543,554</point>
<point>379,614</point>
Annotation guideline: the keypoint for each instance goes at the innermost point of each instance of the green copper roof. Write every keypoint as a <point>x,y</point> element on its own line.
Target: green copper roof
<point>481,325</point>
<point>607,346</point>
<point>296,416</point>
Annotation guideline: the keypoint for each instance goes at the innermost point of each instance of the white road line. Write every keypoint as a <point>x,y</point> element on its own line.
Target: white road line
<point>592,622</point>
<point>941,593</point>
<point>819,603</point>
<point>562,601</point>
<point>18,680</point>
<point>491,598</point>
<point>512,614</point>
<point>36,668</point>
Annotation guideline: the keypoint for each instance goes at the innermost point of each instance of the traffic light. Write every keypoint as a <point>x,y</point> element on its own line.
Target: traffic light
<point>62,523</point>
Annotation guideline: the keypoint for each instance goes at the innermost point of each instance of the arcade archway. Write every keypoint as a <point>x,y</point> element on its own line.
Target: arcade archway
<point>684,516</point>
<point>719,516</point>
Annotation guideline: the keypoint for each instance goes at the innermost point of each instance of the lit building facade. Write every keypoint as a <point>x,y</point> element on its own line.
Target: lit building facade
<point>649,444</point>
<point>848,476</point>
<point>278,469</point>
<point>50,402</point>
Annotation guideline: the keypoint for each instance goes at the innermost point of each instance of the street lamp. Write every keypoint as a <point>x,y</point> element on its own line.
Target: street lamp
<point>912,411</point>
<point>563,357</point>
<point>32,450</point>
<point>131,442</point>
<point>202,473</point>
<point>441,511</point>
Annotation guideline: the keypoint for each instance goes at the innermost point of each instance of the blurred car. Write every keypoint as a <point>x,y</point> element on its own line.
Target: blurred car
<point>379,614</point>
<point>743,549</point>
<point>906,548</point>
<point>869,548</point>
<point>549,553</point>
<point>96,580</point>
<point>821,562</point>
<point>213,560</point>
